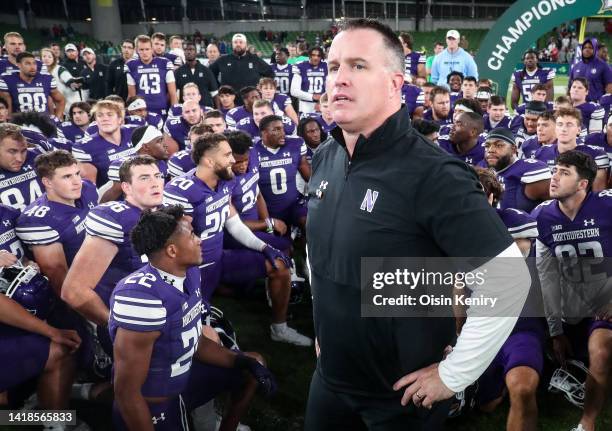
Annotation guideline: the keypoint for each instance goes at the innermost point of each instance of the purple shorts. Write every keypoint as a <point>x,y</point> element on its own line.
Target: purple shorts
<point>170,415</point>
<point>579,334</point>
<point>207,381</point>
<point>520,349</point>
<point>23,354</point>
<point>292,214</point>
<point>242,266</point>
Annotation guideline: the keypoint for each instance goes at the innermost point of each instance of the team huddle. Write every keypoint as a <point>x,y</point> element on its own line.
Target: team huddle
<point>120,224</point>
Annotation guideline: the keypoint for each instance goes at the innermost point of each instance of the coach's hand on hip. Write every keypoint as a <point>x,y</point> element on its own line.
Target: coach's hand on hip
<point>424,387</point>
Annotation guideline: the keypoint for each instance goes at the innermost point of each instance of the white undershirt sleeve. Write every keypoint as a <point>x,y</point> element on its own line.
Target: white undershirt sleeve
<point>482,336</point>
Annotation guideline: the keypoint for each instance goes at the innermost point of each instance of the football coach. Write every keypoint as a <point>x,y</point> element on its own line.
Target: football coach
<point>380,189</point>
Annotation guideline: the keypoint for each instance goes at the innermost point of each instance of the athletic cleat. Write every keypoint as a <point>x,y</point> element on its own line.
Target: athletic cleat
<point>290,336</point>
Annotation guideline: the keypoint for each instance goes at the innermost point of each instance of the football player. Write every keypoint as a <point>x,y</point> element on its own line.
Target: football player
<point>181,162</point>
<point>243,114</point>
<point>205,193</point>
<point>30,90</point>
<point>539,93</point>
<point>156,327</point>
<point>147,140</point>
<point>14,45</point>
<point>19,185</point>
<point>136,106</point>
<point>113,141</point>
<point>281,103</point>
<point>280,159</point>
<point>78,116</point>
<point>532,74</point>
<point>524,126</point>
<point>151,77</point>
<point>497,114</point>
<point>520,362</point>
<point>283,72</point>
<point>176,130</point>
<point>545,135</point>
<point>106,255</point>
<point>308,82</point>
<point>440,111</point>
<point>463,138</point>
<point>525,181</point>
<point>592,113</point>
<point>567,129</point>
<point>53,226</point>
<point>574,238</point>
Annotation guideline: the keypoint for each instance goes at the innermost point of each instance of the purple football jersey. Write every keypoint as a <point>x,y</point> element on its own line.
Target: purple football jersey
<point>530,146</point>
<point>19,189</point>
<point>599,140</point>
<point>428,115</point>
<point>28,96</point>
<point>519,223</point>
<point>180,163</point>
<point>549,153</point>
<point>525,80</point>
<point>137,120</point>
<point>150,300</point>
<point>248,125</point>
<point>520,109</point>
<point>174,59</point>
<point>504,122</point>
<point>245,190</point>
<point>326,127</point>
<point>113,169</point>
<point>474,156</point>
<point>412,96</point>
<point>313,78</point>
<point>45,222</point>
<point>514,178</point>
<point>151,81</point>
<point>605,101</point>
<point>588,235</point>
<point>282,76</point>
<point>238,116</point>
<point>71,131</point>
<point>8,238</point>
<point>454,96</point>
<point>412,61</point>
<point>277,173</point>
<point>280,103</point>
<point>178,129</point>
<point>592,117</point>
<point>113,221</point>
<point>7,67</point>
<point>99,152</point>
<point>208,208</point>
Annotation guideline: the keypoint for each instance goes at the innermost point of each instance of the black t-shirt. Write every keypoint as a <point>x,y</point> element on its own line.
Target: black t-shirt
<point>428,204</point>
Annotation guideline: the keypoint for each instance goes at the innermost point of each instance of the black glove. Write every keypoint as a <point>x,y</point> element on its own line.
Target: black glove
<point>264,377</point>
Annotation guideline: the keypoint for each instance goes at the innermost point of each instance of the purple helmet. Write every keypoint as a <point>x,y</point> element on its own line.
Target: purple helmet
<point>29,288</point>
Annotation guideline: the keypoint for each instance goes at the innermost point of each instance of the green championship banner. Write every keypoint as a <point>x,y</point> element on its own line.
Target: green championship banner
<point>521,25</point>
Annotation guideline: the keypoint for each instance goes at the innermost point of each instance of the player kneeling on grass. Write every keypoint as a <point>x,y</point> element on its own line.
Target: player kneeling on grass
<point>573,245</point>
<point>156,328</point>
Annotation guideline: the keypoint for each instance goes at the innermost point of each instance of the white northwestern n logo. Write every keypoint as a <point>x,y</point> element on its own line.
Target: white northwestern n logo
<point>369,200</point>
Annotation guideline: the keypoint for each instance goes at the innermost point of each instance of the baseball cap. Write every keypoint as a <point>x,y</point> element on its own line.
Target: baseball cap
<point>452,33</point>
<point>502,134</point>
<point>89,50</point>
<point>70,47</point>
